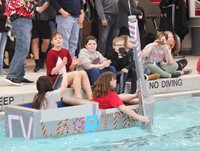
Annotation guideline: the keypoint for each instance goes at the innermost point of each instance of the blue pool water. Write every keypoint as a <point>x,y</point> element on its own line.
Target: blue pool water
<point>176,128</point>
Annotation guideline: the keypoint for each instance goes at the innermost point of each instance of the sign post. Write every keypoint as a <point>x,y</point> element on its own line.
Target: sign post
<point>146,101</point>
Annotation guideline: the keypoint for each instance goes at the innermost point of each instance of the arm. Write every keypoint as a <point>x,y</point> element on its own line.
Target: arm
<point>130,112</point>
<point>169,58</point>
<point>127,97</point>
<point>56,5</point>
<point>147,50</point>
<point>57,68</point>
<point>106,63</point>
<point>43,7</point>
<point>75,62</point>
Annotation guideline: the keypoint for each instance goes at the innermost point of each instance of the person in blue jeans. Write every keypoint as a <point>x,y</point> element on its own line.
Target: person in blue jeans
<point>70,17</point>
<point>92,61</point>
<point>20,17</point>
<point>3,35</point>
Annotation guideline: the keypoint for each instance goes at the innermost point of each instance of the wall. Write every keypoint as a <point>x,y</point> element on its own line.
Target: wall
<point>153,9</point>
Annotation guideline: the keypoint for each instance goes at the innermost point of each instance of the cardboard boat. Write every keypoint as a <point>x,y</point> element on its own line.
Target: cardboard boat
<point>78,116</point>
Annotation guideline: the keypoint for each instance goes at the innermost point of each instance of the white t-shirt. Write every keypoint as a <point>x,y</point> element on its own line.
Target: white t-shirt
<point>52,97</point>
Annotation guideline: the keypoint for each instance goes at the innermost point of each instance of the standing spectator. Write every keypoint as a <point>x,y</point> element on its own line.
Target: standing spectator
<point>107,11</point>
<point>70,17</point>
<point>20,13</point>
<point>3,35</point>
<point>92,61</point>
<point>40,30</point>
<point>124,12</point>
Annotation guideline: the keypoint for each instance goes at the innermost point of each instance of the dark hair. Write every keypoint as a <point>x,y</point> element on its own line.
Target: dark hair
<point>43,85</point>
<point>89,38</point>
<point>102,85</point>
<point>55,33</point>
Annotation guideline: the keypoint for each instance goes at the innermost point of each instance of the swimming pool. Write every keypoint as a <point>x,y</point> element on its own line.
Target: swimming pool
<point>176,128</point>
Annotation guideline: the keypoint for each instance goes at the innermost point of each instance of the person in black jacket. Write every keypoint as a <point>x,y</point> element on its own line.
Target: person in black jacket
<point>124,12</point>
<point>122,60</point>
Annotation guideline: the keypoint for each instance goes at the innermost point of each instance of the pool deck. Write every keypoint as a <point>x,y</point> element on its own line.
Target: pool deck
<point>21,94</point>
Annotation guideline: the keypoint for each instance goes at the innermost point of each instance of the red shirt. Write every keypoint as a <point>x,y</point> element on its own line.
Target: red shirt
<point>52,58</point>
<point>111,100</point>
<point>19,7</point>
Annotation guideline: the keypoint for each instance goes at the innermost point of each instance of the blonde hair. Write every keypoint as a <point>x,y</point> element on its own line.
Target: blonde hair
<point>117,39</point>
<point>170,33</point>
<point>125,37</point>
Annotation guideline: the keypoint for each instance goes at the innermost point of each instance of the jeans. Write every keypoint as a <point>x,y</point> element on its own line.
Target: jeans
<point>3,39</point>
<point>70,30</point>
<point>22,32</point>
<point>94,73</point>
<point>123,77</point>
<point>107,34</point>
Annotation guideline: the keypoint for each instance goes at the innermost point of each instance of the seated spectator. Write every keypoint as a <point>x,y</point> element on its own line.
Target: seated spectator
<point>122,60</point>
<point>105,95</point>
<point>92,61</point>
<point>182,63</point>
<point>158,59</point>
<point>59,61</point>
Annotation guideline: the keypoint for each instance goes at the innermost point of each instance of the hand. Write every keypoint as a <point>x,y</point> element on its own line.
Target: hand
<point>80,20</point>
<point>76,61</point>
<point>64,60</point>
<point>39,9</point>
<point>124,70</point>
<point>104,22</point>
<point>66,14</point>
<point>143,119</point>
<point>106,63</point>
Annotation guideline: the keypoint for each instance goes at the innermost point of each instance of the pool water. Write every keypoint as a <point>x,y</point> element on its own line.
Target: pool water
<point>176,128</point>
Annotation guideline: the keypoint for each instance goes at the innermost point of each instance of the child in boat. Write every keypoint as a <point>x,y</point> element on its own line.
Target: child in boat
<point>46,97</point>
<point>104,94</point>
<point>59,61</point>
<point>92,61</point>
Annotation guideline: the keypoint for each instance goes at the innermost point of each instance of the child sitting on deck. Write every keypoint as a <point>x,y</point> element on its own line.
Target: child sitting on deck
<point>92,61</point>
<point>59,61</point>
<point>105,95</point>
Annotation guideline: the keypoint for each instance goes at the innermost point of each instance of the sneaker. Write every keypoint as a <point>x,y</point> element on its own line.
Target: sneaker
<point>187,71</point>
<point>24,80</point>
<point>16,82</point>
<point>37,69</point>
<point>176,75</point>
<point>153,76</point>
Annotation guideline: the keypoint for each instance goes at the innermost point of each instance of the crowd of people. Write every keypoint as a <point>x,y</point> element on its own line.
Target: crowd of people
<point>51,29</point>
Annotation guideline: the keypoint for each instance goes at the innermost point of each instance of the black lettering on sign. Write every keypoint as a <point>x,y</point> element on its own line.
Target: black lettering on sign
<point>153,85</point>
<point>171,83</point>
<point>6,100</point>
